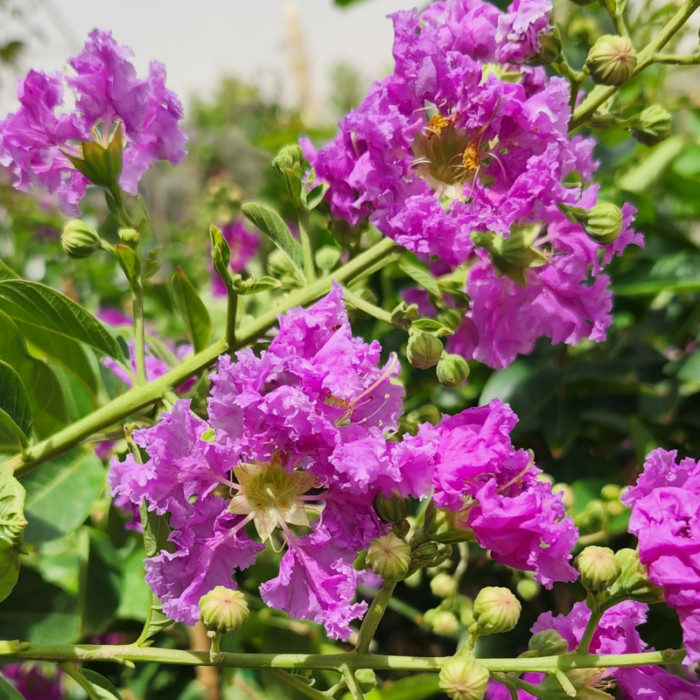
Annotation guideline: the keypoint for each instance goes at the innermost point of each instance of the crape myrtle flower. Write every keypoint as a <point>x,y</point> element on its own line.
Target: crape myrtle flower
<point>665,504</point>
<point>495,491</point>
<point>617,634</point>
<point>498,691</point>
<point>244,244</point>
<point>35,681</point>
<point>35,141</point>
<point>567,299</point>
<point>452,142</point>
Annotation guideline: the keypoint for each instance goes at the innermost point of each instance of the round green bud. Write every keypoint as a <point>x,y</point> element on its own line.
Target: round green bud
<point>611,492</point>
<point>550,49</point>
<point>612,60</point>
<point>598,568</point>
<point>389,556</point>
<point>426,553</point>
<point>528,589</point>
<point>289,158</point>
<point>496,610</point>
<point>80,240</point>
<point>633,582</point>
<point>223,610</point>
<point>392,509</point>
<point>445,624</point>
<point>443,585</point>
<point>604,223</point>
<point>452,370</point>
<point>129,235</point>
<point>366,679</point>
<point>548,643</point>
<point>424,350</point>
<point>463,678</point>
<point>652,126</point>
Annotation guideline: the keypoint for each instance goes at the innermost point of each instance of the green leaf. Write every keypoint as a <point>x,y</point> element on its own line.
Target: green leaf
<point>37,611</point>
<point>6,273</point>
<point>419,273</point>
<point>135,595</point>
<point>12,520</point>
<point>192,310</point>
<point>53,322</point>
<point>155,531</point>
<point>255,286</point>
<point>9,573</point>
<point>61,494</point>
<point>104,583</point>
<point>643,175</point>
<point>273,226</point>
<point>98,687</point>
<point>12,439</point>
<point>156,621</point>
<point>78,400</point>
<point>561,421</point>
<point>129,262</point>
<point>13,398</point>
<point>417,687</point>
<point>431,325</point>
<point>7,692</point>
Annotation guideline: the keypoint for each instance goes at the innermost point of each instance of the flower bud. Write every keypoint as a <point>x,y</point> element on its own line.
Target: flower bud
<point>452,370</point>
<point>389,556</point>
<point>633,582</point>
<point>441,525</point>
<point>604,223</point>
<point>80,240</point>
<point>598,568</point>
<point>567,494</point>
<point>496,610</point>
<point>528,589</point>
<point>445,624</point>
<point>392,509</point>
<point>463,678</point>
<point>443,585</point>
<point>128,235</point>
<point>424,350</point>
<point>426,553</point>
<point>366,679</point>
<point>548,643</point>
<point>289,158</point>
<point>611,492</point>
<point>612,60</point>
<point>652,126</point>
<point>550,49</point>
<point>223,610</point>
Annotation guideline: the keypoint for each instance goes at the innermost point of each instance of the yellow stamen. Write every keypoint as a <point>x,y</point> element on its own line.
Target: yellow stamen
<point>471,157</point>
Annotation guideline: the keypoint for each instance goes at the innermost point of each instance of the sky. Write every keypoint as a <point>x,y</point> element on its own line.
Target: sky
<point>201,41</point>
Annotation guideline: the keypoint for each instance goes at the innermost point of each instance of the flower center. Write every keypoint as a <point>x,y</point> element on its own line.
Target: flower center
<point>271,496</point>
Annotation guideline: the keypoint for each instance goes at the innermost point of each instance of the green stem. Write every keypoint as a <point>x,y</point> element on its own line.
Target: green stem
<point>125,653</point>
<point>691,59</point>
<point>139,337</point>
<point>141,396</point>
<point>353,685</point>
<point>588,633</point>
<point>374,617</point>
<point>305,235</point>
<point>366,306</point>
<point>231,314</point>
<point>645,58</point>
<point>565,683</point>
<point>298,684</point>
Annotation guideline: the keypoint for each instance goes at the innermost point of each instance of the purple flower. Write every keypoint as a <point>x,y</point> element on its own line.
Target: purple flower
<point>34,141</point>
<point>493,153</point>
<point>244,245</point>
<point>617,634</point>
<point>519,30</point>
<point>495,490</point>
<point>498,691</point>
<point>35,681</point>
<point>566,300</point>
<point>665,505</point>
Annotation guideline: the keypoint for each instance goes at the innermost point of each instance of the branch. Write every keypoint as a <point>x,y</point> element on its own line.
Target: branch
<point>141,396</point>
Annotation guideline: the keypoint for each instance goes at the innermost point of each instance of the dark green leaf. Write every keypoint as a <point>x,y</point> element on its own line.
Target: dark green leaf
<point>78,400</point>
<point>62,493</point>
<point>431,325</point>
<point>192,310</point>
<point>135,595</point>
<point>653,165</point>
<point>273,226</point>
<point>48,319</point>
<point>421,275</point>
<point>99,688</point>
<point>13,398</point>
<point>129,262</point>
<point>9,572</point>
<point>253,286</point>
<point>418,687</point>
<point>103,584</point>
<point>155,532</point>
<point>37,611</point>
<point>156,621</point>
<point>12,520</point>
<point>561,421</point>
<point>12,439</point>
<point>6,273</point>
<point>315,196</point>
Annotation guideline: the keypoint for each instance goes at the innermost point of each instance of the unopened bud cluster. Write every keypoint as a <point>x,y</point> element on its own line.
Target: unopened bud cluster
<point>496,610</point>
<point>223,610</point>
<point>598,567</point>
<point>389,557</point>
<point>463,678</point>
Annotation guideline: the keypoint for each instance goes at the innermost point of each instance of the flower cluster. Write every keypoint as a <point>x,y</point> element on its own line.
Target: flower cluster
<point>463,140</point>
<point>299,441</point>
<point>244,245</point>
<point>36,141</point>
<point>665,504</point>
